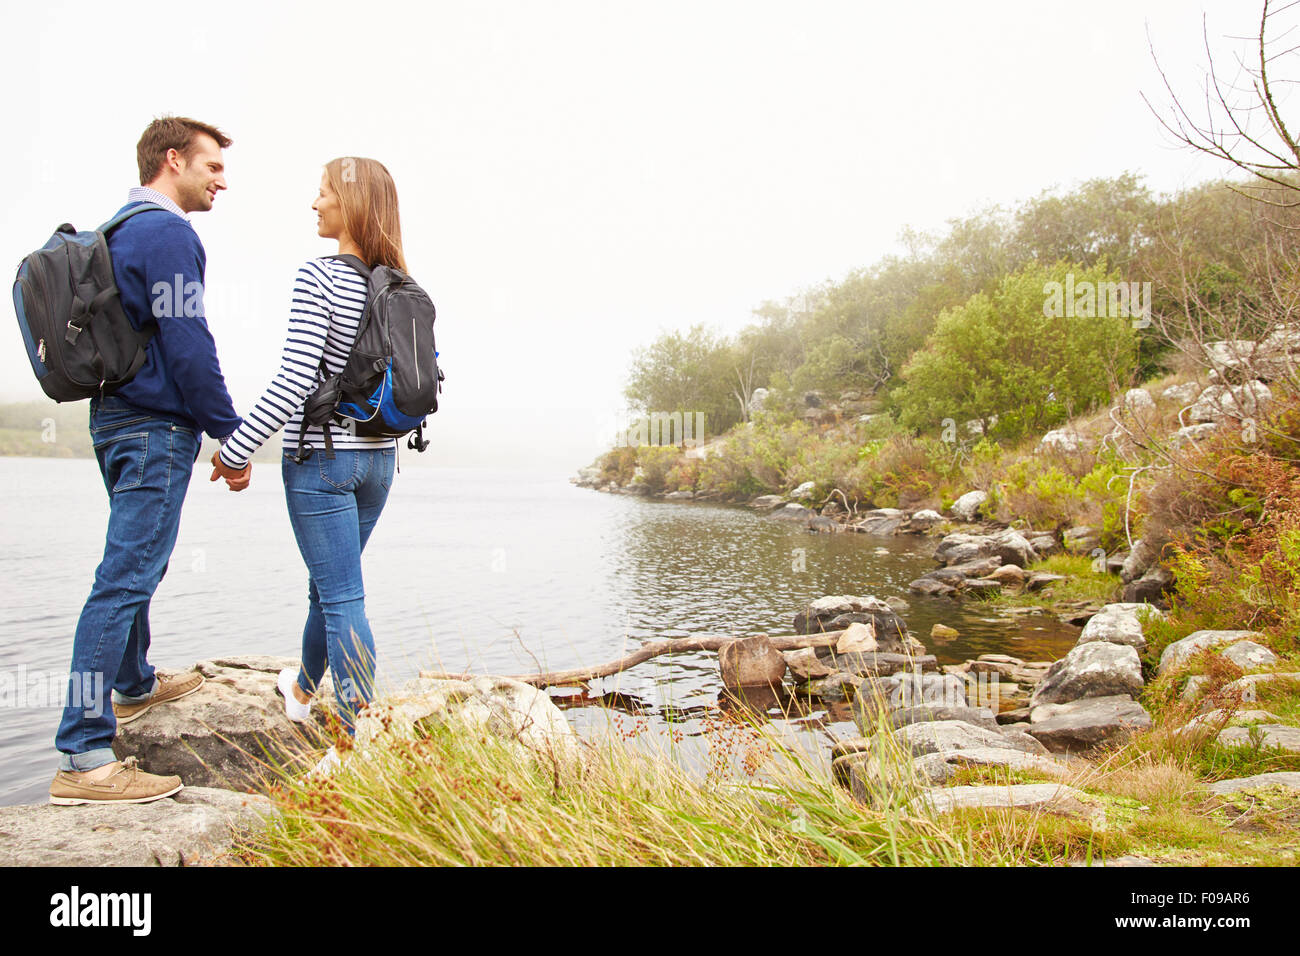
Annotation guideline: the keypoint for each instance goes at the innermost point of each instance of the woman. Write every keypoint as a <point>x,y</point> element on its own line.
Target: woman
<point>333,503</point>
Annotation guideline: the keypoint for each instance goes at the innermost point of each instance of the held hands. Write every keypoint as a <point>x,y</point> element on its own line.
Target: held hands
<point>235,480</point>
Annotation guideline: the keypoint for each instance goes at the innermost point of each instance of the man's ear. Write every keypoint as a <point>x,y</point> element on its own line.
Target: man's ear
<point>174,160</point>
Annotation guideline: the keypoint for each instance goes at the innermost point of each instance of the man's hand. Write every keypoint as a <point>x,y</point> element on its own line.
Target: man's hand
<point>235,480</point>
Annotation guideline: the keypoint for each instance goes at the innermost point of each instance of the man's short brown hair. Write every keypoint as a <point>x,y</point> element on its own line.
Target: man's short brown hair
<point>171,132</point>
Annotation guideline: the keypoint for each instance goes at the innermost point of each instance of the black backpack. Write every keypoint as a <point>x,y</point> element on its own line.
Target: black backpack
<point>79,340</point>
<point>391,379</point>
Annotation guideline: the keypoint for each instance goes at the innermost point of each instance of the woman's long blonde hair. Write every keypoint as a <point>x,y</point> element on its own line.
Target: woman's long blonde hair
<point>368,199</point>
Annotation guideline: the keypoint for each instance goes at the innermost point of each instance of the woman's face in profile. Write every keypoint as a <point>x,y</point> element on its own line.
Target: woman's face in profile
<point>329,214</point>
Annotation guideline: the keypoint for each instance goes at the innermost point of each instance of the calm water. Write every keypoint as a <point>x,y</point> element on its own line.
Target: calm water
<point>483,570</point>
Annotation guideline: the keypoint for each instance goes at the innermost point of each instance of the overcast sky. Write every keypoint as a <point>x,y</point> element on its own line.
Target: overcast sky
<point>577,177</point>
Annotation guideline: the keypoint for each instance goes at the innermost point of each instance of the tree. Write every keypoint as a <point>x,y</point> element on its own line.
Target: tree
<point>1230,130</point>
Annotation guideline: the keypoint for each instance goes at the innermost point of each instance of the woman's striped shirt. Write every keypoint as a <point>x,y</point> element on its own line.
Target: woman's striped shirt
<point>329,297</point>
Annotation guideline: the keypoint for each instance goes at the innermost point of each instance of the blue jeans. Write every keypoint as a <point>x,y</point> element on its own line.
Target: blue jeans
<point>146,463</point>
<point>333,507</point>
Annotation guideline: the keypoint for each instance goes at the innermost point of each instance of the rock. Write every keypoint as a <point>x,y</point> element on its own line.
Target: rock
<point>981,587</point>
<point>837,687</point>
<point>1081,540</point>
<point>874,664</point>
<point>516,712</point>
<point>1098,669</point>
<point>879,525</point>
<point>1218,719</point>
<point>1189,434</point>
<point>1053,797</point>
<point>1218,401</point>
<point>1115,562</point>
<point>1084,725</point>
<point>1194,687</point>
<point>805,490</point>
<point>1181,652</point>
<point>823,525</point>
<point>857,637</point>
<point>757,399</point>
<point>1063,441</point>
<point>1118,624</point>
<point>978,716</point>
<point>1272,735</point>
<point>1009,575</point>
<point>1139,561</point>
<point>923,520</point>
<point>1138,400</point>
<point>1249,656</point>
<point>1045,545</point>
<point>1007,547</point>
<point>750,661</point>
<point>1151,588</point>
<point>1038,580</point>
<point>1019,715</point>
<point>767,502</point>
<point>891,632</point>
<point>967,507</point>
<point>932,587</point>
<point>897,605</point>
<point>1247,688</point>
<point>222,734</point>
<point>794,512</point>
<point>679,496</point>
<point>1281,778</point>
<point>805,665</point>
<point>198,825</point>
<point>938,768</point>
<point>894,692</point>
<point>938,736</point>
<point>943,632</point>
<point>1010,668</point>
<point>1182,394</point>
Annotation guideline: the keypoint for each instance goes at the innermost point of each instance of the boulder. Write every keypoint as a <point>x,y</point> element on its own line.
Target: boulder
<point>1098,669</point>
<point>943,632</point>
<point>1182,394</point>
<point>1138,561</point>
<point>1247,688</point>
<point>891,632</point>
<point>230,731</point>
<point>1084,725</point>
<point>874,664</point>
<point>794,512</point>
<point>750,661</point>
<point>1217,719</point>
<point>899,691</point>
<point>1118,624</point>
<point>1281,778</point>
<point>805,665</point>
<point>1138,401</point>
<point>1062,441</point>
<point>1045,545</point>
<point>1217,402</point>
<point>804,490</point>
<point>1038,580</point>
<point>1249,656</point>
<point>1278,736</point>
<point>1181,652</point>
<point>838,686</point>
<point>923,520</point>
<point>823,525</point>
<point>881,525</point>
<point>1081,540</point>
<point>1052,797</point>
<point>198,825</point>
<point>938,736</point>
<point>924,713</point>
<point>757,399</point>
<point>1009,575</point>
<point>939,768</point>
<point>767,502</point>
<point>859,637</point>
<point>1190,434</point>
<point>932,587</point>
<point>967,507</point>
<point>1151,588</point>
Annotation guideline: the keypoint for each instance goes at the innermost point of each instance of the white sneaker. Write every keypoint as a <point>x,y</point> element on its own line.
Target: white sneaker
<point>286,682</point>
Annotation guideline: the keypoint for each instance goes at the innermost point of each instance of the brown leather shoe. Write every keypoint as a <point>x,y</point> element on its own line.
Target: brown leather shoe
<point>127,784</point>
<point>168,687</point>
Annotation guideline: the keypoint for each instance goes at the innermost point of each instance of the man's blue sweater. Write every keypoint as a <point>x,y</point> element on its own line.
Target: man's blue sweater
<point>159,263</point>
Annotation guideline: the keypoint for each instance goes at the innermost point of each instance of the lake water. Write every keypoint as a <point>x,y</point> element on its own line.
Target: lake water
<point>491,571</point>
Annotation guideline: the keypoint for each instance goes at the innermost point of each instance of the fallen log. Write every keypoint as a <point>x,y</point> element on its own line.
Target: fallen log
<point>672,645</point>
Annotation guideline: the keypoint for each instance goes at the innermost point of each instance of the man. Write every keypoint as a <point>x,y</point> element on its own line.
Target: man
<point>146,437</point>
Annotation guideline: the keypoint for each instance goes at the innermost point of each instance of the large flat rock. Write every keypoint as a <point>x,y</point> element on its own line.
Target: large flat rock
<point>939,768</point>
<point>1181,652</point>
<point>1055,797</point>
<point>1282,778</point>
<point>1087,724</point>
<point>195,826</point>
<point>1272,735</point>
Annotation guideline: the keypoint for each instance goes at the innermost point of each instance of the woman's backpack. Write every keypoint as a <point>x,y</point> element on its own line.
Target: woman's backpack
<point>391,379</point>
<point>79,340</point>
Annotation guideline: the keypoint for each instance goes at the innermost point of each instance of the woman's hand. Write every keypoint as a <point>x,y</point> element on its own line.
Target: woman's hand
<point>235,480</point>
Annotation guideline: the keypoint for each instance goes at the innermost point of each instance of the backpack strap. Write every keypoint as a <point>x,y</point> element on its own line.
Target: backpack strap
<point>126,214</point>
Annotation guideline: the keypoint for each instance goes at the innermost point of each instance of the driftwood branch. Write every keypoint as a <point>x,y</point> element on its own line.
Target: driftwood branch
<point>677,645</point>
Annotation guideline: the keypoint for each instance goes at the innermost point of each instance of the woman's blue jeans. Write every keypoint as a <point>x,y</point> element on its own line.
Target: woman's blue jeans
<point>333,506</point>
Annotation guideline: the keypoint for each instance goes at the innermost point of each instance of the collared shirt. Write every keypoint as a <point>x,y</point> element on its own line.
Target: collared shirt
<point>145,194</point>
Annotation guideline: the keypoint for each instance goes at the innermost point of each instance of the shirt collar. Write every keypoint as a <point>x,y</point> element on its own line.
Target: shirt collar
<point>145,194</point>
